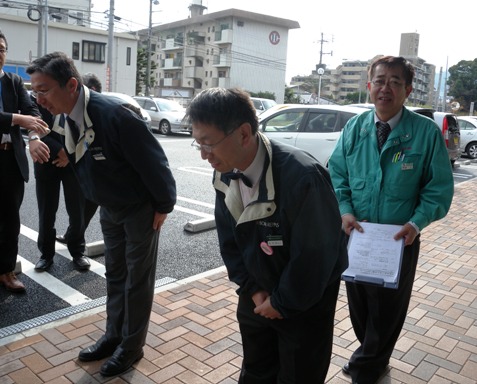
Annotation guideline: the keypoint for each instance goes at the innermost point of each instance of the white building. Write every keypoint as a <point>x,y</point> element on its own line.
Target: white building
<point>88,48</point>
<point>230,48</point>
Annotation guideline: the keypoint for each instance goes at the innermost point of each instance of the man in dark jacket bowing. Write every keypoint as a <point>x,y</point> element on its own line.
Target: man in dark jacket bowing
<point>122,168</point>
<point>280,237</point>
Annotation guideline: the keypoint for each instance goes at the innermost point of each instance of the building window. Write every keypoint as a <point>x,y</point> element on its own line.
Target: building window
<point>75,54</point>
<point>94,52</point>
<point>128,56</point>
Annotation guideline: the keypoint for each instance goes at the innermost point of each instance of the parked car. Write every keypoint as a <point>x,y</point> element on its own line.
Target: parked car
<point>449,125</point>
<point>130,100</point>
<point>468,135</point>
<point>167,115</point>
<point>313,128</point>
<point>262,105</point>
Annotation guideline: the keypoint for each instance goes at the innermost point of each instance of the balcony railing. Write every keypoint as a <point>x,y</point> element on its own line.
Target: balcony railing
<point>224,37</point>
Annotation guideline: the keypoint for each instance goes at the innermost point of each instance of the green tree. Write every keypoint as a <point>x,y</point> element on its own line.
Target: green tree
<point>141,69</point>
<point>352,98</point>
<point>263,95</point>
<point>462,82</point>
<point>290,97</point>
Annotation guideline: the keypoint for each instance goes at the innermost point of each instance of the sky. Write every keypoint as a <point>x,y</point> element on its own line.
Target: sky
<point>352,30</point>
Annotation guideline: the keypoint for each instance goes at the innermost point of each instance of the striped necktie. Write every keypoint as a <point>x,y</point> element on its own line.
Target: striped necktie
<point>383,130</point>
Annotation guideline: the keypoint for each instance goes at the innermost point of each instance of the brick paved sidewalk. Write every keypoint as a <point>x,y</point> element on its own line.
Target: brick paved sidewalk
<point>194,339</point>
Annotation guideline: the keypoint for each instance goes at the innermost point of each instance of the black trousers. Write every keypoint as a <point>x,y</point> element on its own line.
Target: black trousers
<point>12,189</point>
<point>48,186</point>
<point>378,315</point>
<point>90,209</point>
<point>287,351</point>
<point>131,257</point>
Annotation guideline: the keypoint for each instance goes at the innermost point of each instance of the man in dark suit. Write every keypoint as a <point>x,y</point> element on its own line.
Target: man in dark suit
<point>90,207</point>
<point>50,176</point>
<point>13,164</point>
<point>123,168</point>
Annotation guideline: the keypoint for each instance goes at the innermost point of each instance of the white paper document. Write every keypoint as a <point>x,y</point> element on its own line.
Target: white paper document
<point>374,256</point>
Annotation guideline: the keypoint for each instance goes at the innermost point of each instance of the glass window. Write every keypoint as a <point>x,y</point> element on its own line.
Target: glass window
<point>94,52</point>
<point>76,51</point>
<point>321,122</point>
<point>128,56</point>
<point>284,122</point>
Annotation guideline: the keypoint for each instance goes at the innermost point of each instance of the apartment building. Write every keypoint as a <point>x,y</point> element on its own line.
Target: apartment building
<point>230,48</point>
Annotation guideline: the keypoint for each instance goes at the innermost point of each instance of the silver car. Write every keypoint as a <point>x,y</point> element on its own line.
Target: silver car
<point>468,135</point>
<point>167,115</point>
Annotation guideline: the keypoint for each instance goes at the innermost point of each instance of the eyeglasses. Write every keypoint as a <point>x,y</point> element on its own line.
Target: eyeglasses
<point>3,51</point>
<point>208,148</point>
<point>37,94</point>
<point>381,83</point>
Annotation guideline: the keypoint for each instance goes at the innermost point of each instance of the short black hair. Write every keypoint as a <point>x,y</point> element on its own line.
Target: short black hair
<point>225,109</point>
<point>394,62</point>
<point>92,82</point>
<point>2,36</point>
<point>58,66</point>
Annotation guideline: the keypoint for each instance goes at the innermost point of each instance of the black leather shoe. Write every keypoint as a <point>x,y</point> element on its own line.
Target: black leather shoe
<point>43,264</point>
<point>61,239</point>
<point>103,348</point>
<point>121,361</point>
<point>345,369</point>
<point>81,262</point>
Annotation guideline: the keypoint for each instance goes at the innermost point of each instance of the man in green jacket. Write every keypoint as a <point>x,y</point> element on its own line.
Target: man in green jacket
<point>407,180</point>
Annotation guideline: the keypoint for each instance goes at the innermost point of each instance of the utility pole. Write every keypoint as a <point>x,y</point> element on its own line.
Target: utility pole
<point>444,102</point>
<point>109,69</point>
<point>438,92</point>
<point>322,40</point>
<point>149,37</point>
<point>148,65</point>
<point>39,51</point>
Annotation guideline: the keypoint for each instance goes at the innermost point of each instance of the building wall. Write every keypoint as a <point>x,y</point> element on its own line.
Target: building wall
<point>22,36</point>
<point>409,44</point>
<point>259,54</point>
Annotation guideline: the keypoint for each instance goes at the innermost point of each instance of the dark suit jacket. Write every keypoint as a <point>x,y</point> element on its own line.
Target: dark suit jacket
<point>125,164</point>
<point>54,141</point>
<point>16,100</point>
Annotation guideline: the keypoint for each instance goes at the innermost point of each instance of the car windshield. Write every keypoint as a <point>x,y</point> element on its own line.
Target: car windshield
<point>269,103</point>
<point>170,105</point>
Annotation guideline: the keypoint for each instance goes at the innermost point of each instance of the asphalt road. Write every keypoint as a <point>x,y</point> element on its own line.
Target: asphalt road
<point>63,291</point>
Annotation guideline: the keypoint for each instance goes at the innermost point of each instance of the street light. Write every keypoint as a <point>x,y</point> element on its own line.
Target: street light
<point>149,35</point>
<point>320,71</point>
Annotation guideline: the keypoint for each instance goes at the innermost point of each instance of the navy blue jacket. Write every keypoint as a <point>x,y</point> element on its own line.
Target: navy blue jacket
<point>125,164</point>
<point>296,213</point>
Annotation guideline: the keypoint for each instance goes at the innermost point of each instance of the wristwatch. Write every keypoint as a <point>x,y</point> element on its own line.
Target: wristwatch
<point>34,137</point>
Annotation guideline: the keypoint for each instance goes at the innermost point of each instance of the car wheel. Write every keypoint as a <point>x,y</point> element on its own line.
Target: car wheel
<point>165,127</point>
<point>472,150</point>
